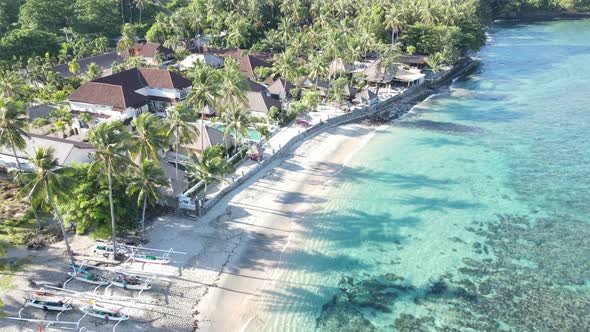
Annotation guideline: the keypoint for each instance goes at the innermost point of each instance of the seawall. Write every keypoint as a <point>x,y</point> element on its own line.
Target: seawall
<point>388,109</point>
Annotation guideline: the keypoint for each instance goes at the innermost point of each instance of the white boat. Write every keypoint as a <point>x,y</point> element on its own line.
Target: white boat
<point>52,305</point>
<point>89,278</point>
<point>104,313</point>
<point>126,281</point>
<point>150,259</point>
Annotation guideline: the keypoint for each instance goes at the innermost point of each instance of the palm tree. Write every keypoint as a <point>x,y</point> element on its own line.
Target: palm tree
<point>178,122</point>
<point>74,67</point>
<point>235,119</point>
<point>206,88</point>
<point>13,123</point>
<point>148,180</point>
<point>149,138</point>
<point>285,66</point>
<point>393,21</point>
<point>208,168</point>
<point>140,4</point>
<point>435,61</point>
<point>101,44</point>
<point>111,141</point>
<point>93,71</point>
<point>127,40</point>
<point>316,68</point>
<point>233,83</point>
<point>46,181</point>
<point>11,84</point>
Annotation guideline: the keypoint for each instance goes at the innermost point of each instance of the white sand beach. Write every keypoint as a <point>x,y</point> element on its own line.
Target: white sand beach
<point>232,251</point>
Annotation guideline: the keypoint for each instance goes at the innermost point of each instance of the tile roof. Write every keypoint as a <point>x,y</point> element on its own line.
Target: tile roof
<point>249,63</point>
<point>104,60</point>
<point>255,87</point>
<point>118,90</point>
<point>149,50</point>
<point>281,86</point>
<point>261,103</point>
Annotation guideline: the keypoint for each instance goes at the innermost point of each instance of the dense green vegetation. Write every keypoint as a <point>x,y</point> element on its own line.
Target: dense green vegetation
<point>305,36</point>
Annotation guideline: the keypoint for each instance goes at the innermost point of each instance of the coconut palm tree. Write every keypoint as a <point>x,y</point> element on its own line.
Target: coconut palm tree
<point>146,182</point>
<point>233,83</point>
<point>13,123</point>
<point>393,21</point>
<point>208,168</point>
<point>435,61</point>
<point>93,71</point>
<point>111,141</point>
<point>316,67</point>
<point>205,90</point>
<point>285,65</point>
<point>101,44</point>
<point>178,122</point>
<point>11,84</point>
<point>127,41</point>
<point>140,4</point>
<point>149,139</point>
<point>47,181</point>
<point>235,119</point>
<point>74,67</point>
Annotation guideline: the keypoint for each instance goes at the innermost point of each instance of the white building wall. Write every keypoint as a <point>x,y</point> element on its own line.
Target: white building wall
<point>157,92</point>
<point>92,108</point>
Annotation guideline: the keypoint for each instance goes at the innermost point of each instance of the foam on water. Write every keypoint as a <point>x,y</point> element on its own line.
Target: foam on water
<point>471,214</point>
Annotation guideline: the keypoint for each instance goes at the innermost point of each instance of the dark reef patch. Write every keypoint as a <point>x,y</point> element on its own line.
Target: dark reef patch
<point>536,281</point>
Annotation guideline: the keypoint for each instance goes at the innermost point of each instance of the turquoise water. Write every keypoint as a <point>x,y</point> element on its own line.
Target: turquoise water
<point>253,134</point>
<point>470,214</point>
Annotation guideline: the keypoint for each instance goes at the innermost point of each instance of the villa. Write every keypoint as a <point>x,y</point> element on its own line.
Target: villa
<point>259,104</point>
<point>395,75</point>
<point>66,151</point>
<point>129,93</point>
<point>210,137</point>
<point>281,89</point>
<point>105,61</point>
<point>149,52</point>
<point>206,58</point>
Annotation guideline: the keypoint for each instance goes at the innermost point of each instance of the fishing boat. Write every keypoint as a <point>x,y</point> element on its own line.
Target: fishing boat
<point>104,313</point>
<point>53,305</point>
<point>88,277</point>
<point>106,248</point>
<point>132,282</point>
<point>150,259</point>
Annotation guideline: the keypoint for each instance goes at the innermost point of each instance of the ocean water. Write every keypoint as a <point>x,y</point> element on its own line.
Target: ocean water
<point>472,213</point>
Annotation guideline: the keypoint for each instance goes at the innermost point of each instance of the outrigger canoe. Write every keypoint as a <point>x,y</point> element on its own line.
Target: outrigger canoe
<point>54,305</point>
<point>126,281</point>
<point>104,313</point>
<point>150,259</point>
<point>106,248</point>
<point>88,277</point>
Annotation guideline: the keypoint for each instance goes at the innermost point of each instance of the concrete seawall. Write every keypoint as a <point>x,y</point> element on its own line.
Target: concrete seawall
<point>386,109</point>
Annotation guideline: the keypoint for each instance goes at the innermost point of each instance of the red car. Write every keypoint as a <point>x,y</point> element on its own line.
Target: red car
<point>302,123</point>
<point>253,156</point>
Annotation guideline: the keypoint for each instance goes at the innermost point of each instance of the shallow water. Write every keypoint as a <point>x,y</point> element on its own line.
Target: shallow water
<point>471,213</point>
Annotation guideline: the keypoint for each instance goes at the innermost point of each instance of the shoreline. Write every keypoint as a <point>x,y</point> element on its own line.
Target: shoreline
<point>246,271</point>
<point>243,234</point>
<point>273,225</point>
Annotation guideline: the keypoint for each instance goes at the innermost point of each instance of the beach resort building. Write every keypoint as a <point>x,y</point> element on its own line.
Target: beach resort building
<point>206,58</point>
<point>129,93</point>
<point>396,75</point>
<point>281,89</point>
<point>104,61</point>
<point>210,137</point>
<point>259,104</point>
<point>66,151</point>
<point>152,53</point>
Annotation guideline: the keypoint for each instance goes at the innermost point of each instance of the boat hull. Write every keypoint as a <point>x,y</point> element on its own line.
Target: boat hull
<point>88,281</point>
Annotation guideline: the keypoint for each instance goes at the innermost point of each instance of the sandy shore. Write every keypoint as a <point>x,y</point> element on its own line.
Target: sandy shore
<point>231,252</point>
<point>266,215</point>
